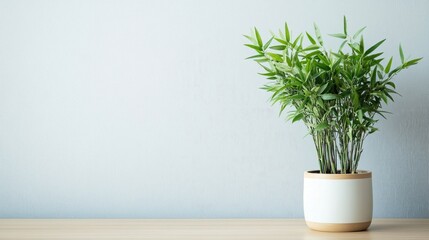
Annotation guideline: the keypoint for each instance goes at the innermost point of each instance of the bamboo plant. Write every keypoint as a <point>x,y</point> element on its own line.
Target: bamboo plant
<point>337,94</point>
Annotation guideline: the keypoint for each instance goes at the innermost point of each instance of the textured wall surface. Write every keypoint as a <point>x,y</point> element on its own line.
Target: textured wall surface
<point>147,109</point>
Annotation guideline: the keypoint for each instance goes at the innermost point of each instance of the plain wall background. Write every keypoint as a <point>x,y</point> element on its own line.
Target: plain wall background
<point>147,109</point>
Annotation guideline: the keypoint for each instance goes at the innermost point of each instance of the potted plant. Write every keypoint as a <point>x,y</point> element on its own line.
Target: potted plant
<point>338,95</point>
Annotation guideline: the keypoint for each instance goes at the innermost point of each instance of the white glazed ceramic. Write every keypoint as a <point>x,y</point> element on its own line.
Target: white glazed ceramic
<point>338,202</point>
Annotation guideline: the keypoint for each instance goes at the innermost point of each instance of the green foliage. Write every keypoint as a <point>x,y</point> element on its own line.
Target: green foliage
<point>337,94</point>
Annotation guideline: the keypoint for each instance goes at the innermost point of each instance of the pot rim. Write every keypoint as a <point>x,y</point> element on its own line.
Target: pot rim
<point>316,174</point>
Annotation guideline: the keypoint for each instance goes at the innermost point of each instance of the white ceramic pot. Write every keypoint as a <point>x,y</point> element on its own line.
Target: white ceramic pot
<point>338,202</point>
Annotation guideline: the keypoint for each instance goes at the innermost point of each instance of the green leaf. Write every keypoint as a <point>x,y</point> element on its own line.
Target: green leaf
<point>373,56</point>
<point>322,66</point>
<point>373,77</point>
<point>372,130</point>
<point>339,35</point>
<point>380,67</point>
<point>358,32</point>
<point>388,90</point>
<point>389,64</point>
<point>360,115</point>
<point>355,47</point>
<point>268,74</point>
<point>329,96</point>
<point>250,39</point>
<point>281,41</point>
<point>391,84</point>
<point>412,62</point>
<point>318,35</point>
<point>262,60</point>
<point>356,101</point>
<point>383,96</point>
<point>258,37</point>
<point>287,33</point>
<point>321,126</point>
<point>296,40</point>
<point>297,117</point>
<point>350,133</point>
<point>311,47</point>
<point>322,88</point>
<point>275,56</point>
<point>282,36</point>
<point>257,48</point>
<point>375,46</point>
<point>267,44</point>
<point>394,71</point>
<point>336,64</point>
<point>345,25</point>
<point>310,38</point>
<point>361,44</point>
<point>278,47</point>
<point>281,89</point>
<point>381,113</point>
<point>401,54</point>
<point>297,97</point>
<point>311,54</point>
<point>282,108</point>
<point>342,45</point>
<point>256,56</point>
<point>324,59</point>
<point>264,67</point>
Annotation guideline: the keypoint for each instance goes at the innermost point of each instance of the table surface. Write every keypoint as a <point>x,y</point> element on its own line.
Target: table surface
<point>178,229</point>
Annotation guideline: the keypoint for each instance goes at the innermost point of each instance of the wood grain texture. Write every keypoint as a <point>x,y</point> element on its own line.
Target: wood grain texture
<point>267,229</point>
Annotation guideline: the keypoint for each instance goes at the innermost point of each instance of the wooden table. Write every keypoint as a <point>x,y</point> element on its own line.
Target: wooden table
<point>267,229</point>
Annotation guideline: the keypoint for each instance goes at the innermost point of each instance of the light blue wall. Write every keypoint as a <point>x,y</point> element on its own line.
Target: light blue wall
<point>147,109</point>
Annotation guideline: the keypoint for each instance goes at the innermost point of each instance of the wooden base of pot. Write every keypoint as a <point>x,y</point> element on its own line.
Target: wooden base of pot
<point>338,227</point>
